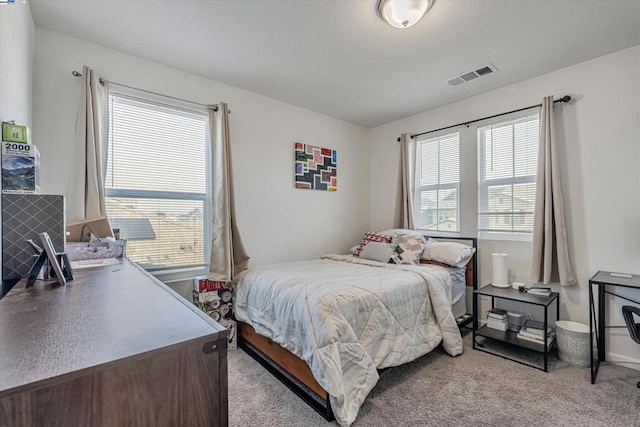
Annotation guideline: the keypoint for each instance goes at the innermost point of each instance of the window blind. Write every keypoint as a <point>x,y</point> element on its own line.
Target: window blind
<point>436,198</point>
<point>507,163</point>
<point>156,182</point>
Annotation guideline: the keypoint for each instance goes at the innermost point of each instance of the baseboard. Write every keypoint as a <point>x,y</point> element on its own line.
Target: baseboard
<point>626,361</point>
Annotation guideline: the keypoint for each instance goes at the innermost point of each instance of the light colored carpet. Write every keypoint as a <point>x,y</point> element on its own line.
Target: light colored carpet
<point>473,389</point>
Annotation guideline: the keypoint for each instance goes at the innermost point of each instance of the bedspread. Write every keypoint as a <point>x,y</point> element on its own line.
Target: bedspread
<point>346,316</point>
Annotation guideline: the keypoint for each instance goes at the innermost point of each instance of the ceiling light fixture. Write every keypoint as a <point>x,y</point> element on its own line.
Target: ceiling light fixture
<point>402,13</point>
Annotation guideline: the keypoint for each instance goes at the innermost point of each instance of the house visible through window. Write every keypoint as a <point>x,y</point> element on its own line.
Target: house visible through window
<point>156,185</point>
<point>507,163</point>
<point>437,186</point>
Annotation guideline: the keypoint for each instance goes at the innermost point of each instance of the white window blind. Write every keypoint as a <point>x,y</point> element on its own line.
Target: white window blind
<point>436,201</point>
<point>156,184</point>
<point>507,163</point>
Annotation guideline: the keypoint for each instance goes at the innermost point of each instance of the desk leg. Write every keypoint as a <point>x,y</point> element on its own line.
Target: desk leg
<point>546,344</point>
<point>591,332</point>
<point>475,319</point>
<point>601,321</point>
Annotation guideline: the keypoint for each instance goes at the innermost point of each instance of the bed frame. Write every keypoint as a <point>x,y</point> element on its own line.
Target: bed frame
<point>296,374</point>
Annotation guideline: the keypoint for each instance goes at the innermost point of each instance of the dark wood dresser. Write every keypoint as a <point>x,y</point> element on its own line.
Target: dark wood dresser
<point>114,347</point>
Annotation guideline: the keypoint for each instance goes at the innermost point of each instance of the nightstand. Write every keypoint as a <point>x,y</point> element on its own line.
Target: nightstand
<point>509,336</point>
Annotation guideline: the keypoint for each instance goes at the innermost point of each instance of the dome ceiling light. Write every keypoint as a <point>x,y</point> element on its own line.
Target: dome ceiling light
<point>402,13</point>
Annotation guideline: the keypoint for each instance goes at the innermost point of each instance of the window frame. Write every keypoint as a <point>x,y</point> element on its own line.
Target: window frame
<point>418,189</point>
<point>484,184</point>
<point>182,272</point>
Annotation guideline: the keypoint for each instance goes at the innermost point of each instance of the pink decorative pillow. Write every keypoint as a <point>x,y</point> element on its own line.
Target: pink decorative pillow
<point>371,237</point>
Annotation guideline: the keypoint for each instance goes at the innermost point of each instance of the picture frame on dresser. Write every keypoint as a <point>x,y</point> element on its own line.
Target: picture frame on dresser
<point>58,262</point>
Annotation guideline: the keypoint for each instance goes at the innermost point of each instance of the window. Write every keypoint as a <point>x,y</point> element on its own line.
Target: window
<point>507,163</point>
<point>156,184</point>
<point>437,195</point>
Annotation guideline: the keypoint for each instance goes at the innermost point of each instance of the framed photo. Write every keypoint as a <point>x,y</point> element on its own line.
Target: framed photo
<point>53,257</point>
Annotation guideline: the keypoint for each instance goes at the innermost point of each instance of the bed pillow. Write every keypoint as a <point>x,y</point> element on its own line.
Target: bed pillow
<point>450,253</point>
<point>371,237</point>
<point>378,251</point>
<point>409,248</point>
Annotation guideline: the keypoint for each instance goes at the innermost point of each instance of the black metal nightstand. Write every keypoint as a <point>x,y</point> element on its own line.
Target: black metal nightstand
<point>509,336</point>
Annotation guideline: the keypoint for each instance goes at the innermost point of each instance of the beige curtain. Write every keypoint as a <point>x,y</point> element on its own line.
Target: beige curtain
<point>86,198</point>
<point>406,185</point>
<point>550,255</point>
<point>228,256</point>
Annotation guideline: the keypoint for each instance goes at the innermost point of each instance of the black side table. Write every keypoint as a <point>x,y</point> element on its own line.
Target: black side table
<point>509,336</point>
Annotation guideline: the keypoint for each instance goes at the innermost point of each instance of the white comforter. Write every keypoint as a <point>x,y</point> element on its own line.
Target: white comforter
<point>347,316</point>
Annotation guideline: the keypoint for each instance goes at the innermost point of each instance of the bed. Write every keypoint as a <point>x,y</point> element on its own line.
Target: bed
<point>325,327</point>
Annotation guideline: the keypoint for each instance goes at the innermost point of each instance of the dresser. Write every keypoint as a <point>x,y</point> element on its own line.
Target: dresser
<point>114,347</point>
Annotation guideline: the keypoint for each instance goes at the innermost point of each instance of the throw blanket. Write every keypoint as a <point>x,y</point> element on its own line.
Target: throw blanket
<point>346,316</point>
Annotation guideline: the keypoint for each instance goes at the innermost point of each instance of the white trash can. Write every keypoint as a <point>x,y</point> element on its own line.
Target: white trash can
<point>573,343</point>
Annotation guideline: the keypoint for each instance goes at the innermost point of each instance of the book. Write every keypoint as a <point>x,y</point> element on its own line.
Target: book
<point>539,292</point>
<point>497,313</point>
<point>495,316</point>
<point>497,324</point>
<point>550,337</point>
<point>536,335</point>
<point>534,326</point>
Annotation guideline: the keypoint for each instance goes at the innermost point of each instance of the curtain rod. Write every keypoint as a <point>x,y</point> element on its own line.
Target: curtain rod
<point>565,99</point>
<point>103,81</point>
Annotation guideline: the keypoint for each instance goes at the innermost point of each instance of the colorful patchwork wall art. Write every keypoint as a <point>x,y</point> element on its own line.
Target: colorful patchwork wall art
<point>316,167</point>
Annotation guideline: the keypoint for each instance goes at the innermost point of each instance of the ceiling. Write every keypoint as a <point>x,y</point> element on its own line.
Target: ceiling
<point>337,57</point>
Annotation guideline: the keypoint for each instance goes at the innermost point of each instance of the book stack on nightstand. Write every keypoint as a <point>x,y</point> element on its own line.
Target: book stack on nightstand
<point>533,331</point>
<point>541,291</point>
<point>498,318</point>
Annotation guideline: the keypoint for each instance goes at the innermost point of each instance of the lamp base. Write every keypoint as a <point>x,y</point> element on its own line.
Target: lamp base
<point>500,285</point>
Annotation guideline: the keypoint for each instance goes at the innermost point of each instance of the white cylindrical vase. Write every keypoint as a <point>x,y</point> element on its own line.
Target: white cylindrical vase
<point>500,271</point>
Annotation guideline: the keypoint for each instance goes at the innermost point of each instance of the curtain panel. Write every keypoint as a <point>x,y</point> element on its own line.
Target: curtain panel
<point>86,198</point>
<point>406,183</point>
<point>228,256</point>
<point>550,254</point>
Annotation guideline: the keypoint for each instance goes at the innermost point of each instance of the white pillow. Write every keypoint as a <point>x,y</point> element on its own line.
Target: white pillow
<point>378,251</point>
<point>450,253</point>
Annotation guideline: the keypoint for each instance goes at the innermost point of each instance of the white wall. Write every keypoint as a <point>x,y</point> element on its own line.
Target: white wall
<point>16,65</point>
<point>277,222</point>
<point>16,62</point>
<point>599,135</point>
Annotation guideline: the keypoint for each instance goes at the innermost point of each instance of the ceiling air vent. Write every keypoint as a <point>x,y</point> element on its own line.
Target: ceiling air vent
<point>482,71</point>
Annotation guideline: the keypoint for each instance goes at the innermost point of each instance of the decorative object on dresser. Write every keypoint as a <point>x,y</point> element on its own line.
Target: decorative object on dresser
<point>113,347</point>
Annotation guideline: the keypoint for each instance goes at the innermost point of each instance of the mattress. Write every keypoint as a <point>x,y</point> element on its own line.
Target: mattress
<point>458,290</point>
<point>347,317</point>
